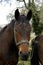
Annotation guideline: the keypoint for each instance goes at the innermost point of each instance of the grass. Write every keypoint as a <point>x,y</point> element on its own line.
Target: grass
<point>20,62</point>
<point>23,63</point>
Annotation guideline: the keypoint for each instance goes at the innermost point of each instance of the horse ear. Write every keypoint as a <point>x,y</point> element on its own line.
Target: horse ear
<point>17,14</point>
<point>29,15</point>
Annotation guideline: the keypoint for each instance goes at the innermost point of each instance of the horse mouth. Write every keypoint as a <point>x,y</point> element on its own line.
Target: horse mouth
<point>24,57</point>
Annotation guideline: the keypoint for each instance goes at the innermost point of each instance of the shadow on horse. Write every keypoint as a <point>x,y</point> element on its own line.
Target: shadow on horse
<point>37,51</point>
<point>14,39</point>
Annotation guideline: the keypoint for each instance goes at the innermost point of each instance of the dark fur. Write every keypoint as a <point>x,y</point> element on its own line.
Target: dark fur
<point>3,29</point>
<point>11,57</point>
<point>8,48</point>
<point>35,57</point>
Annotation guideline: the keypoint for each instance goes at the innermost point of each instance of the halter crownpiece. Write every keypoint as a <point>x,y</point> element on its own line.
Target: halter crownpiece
<point>21,41</point>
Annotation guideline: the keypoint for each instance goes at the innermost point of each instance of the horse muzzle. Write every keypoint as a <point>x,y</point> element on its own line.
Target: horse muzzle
<point>24,51</point>
<point>24,56</point>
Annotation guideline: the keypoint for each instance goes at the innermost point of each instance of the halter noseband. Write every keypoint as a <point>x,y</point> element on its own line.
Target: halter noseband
<point>22,41</point>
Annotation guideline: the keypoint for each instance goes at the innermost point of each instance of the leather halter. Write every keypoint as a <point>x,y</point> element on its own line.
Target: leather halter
<point>21,41</point>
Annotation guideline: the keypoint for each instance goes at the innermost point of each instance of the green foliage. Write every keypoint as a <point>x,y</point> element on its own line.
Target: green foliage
<point>35,23</point>
<point>23,63</point>
<point>37,26</point>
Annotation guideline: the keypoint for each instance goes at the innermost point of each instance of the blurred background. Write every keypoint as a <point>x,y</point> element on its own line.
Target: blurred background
<point>7,9</point>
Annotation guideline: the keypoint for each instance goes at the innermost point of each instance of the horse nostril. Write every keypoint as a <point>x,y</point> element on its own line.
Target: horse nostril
<point>20,52</point>
<point>29,52</point>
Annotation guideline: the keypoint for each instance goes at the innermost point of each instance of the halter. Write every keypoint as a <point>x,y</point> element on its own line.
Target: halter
<point>20,42</point>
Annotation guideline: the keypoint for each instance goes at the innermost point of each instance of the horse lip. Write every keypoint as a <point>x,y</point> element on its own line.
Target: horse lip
<point>24,57</point>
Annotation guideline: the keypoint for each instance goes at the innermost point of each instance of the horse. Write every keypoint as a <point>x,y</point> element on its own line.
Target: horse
<point>37,50</point>
<point>14,39</point>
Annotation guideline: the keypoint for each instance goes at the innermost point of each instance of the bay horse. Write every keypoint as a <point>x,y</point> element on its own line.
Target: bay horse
<point>37,50</point>
<point>14,39</point>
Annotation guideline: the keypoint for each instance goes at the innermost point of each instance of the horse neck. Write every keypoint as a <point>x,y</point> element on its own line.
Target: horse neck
<point>8,34</point>
<point>10,30</point>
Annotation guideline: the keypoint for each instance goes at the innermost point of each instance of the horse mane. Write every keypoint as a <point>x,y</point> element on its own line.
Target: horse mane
<point>35,57</point>
<point>12,23</point>
<point>3,29</point>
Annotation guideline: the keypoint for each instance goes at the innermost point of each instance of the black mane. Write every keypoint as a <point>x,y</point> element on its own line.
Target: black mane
<point>3,29</point>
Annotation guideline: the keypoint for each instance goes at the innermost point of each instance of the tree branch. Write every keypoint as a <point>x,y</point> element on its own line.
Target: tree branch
<point>25,4</point>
